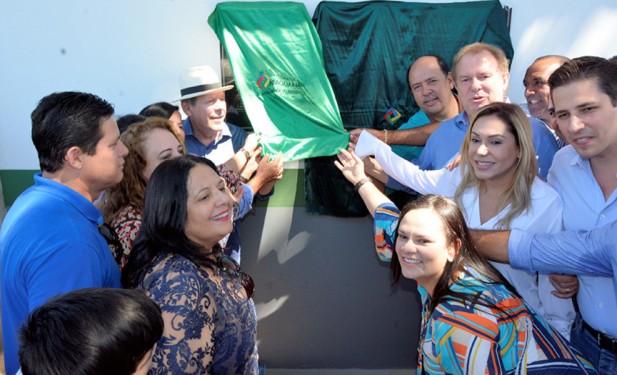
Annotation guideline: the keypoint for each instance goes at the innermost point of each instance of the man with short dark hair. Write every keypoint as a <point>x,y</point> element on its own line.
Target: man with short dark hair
<point>49,241</point>
<point>584,93</point>
<point>431,85</point>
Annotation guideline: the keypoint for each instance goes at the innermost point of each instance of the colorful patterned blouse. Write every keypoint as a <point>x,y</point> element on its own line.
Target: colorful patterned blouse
<point>467,338</point>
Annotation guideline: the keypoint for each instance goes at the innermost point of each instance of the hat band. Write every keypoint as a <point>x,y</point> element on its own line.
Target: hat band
<point>200,88</point>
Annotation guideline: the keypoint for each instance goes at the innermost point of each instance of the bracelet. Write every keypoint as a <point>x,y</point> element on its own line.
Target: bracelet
<point>243,179</point>
<point>385,136</point>
<point>361,182</point>
<point>247,154</point>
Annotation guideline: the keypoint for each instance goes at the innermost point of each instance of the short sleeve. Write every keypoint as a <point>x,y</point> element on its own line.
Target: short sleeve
<point>386,220</point>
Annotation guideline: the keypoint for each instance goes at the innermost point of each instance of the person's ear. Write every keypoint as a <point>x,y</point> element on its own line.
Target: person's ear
<point>453,250</point>
<point>186,107</point>
<point>450,80</point>
<point>74,157</point>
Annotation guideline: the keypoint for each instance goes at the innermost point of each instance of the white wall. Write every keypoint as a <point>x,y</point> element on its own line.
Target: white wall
<point>131,52</point>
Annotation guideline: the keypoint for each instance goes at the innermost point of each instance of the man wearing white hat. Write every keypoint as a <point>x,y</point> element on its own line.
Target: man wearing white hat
<point>210,136</point>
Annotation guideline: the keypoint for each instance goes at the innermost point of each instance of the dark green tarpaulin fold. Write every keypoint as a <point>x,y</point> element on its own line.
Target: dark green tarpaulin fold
<point>275,56</point>
<point>367,49</point>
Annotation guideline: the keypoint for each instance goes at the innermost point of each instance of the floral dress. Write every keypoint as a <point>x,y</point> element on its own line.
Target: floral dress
<point>210,324</point>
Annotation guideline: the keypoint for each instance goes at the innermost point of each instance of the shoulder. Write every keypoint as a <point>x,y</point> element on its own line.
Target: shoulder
<point>541,190</point>
<point>173,275</point>
<point>236,131</point>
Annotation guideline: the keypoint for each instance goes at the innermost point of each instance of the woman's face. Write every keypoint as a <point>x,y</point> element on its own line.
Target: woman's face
<point>209,207</point>
<point>159,145</point>
<point>422,247</point>
<point>176,121</point>
<point>493,152</point>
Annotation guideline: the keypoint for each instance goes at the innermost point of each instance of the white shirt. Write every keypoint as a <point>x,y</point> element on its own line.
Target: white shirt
<point>585,208</point>
<point>544,216</point>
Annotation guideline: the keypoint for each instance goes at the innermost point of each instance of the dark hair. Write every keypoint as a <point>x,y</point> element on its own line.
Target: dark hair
<point>90,332</point>
<point>127,120</point>
<point>160,109</point>
<point>586,68</point>
<point>467,255</point>
<point>443,65</point>
<point>164,219</point>
<point>67,119</point>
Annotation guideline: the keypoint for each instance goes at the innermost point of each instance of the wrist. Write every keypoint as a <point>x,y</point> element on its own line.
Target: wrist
<point>360,183</point>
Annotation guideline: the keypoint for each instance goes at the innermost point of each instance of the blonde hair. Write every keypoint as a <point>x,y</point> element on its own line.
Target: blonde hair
<point>130,191</point>
<point>518,195</point>
<point>503,64</point>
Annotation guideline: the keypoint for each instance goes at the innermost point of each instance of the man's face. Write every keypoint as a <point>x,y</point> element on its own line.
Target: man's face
<point>479,81</point>
<point>431,88</point>
<point>207,112</point>
<point>537,91</point>
<point>587,118</point>
<point>105,167</point>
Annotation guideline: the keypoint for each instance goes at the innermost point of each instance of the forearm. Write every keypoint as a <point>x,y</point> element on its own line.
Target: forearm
<point>238,161</point>
<point>372,196</point>
<point>411,137</point>
<point>493,244</point>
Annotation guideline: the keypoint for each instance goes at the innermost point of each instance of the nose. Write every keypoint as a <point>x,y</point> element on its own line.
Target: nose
<point>475,85</point>
<point>426,90</point>
<point>529,90</point>
<point>122,149</point>
<point>574,124</point>
<point>482,149</point>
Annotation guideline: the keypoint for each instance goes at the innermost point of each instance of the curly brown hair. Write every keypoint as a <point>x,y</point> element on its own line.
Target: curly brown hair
<point>130,191</point>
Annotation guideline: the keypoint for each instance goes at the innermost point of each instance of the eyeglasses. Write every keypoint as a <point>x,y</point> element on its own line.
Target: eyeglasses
<point>232,268</point>
<point>113,241</point>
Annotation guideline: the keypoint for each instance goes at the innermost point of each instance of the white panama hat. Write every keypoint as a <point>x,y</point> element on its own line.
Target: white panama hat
<point>200,80</point>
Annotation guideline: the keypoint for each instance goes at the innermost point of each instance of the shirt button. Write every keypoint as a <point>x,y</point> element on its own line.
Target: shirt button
<point>602,217</point>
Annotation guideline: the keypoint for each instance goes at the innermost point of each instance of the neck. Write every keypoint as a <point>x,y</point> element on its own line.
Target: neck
<point>453,109</point>
<point>72,181</point>
<point>205,135</point>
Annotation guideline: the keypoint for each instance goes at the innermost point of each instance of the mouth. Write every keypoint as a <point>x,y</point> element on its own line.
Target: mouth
<point>430,101</point>
<point>483,165</point>
<point>411,261</point>
<point>222,217</point>
<point>581,141</point>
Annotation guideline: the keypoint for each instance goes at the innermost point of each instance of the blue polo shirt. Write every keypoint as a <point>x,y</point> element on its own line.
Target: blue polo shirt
<point>231,139</point>
<point>49,244</point>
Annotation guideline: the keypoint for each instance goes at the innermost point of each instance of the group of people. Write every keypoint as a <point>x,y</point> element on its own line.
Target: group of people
<point>153,208</point>
<point>151,203</point>
<point>494,168</point>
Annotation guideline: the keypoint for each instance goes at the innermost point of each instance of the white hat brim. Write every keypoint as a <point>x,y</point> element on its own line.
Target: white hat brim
<point>205,92</point>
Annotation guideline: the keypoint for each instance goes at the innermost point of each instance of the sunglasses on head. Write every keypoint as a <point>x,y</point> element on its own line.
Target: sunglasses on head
<point>228,265</point>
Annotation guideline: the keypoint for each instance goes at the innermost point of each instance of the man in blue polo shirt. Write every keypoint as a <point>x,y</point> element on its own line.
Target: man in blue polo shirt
<point>49,242</point>
<point>209,135</point>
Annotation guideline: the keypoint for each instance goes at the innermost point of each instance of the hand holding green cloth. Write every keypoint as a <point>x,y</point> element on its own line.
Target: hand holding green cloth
<point>276,59</point>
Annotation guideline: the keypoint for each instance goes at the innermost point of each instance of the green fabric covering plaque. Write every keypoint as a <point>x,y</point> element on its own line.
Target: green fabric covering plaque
<point>276,59</point>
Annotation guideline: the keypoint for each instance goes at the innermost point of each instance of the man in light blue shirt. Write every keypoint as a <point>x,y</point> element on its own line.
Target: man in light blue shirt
<point>584,92</point>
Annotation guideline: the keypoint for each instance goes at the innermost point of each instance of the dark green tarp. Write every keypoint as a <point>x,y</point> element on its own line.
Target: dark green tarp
<point>367,49</point>
<point>275,55</point>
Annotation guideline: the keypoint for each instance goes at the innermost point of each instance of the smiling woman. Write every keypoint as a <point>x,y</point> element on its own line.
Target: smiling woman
<point>210,321</point>
<point>473,320</point>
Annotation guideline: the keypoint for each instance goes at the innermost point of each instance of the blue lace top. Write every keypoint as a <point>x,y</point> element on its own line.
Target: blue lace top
<point>210,324</point>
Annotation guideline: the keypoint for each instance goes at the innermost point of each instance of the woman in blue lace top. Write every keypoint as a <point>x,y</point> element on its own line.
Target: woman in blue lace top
<point>210,321</point>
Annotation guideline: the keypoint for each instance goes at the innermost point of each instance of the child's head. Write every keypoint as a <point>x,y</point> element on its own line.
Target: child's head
<point>91,331</point>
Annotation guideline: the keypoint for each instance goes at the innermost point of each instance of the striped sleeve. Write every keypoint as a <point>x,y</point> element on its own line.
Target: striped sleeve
<point>386,220</point>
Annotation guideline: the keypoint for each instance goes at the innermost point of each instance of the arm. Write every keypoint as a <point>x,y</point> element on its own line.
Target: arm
<point>243,156</point>
<point>493,244</point>
<point>187,345</point>
<point>410,175</point>
<point>411,137</point>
